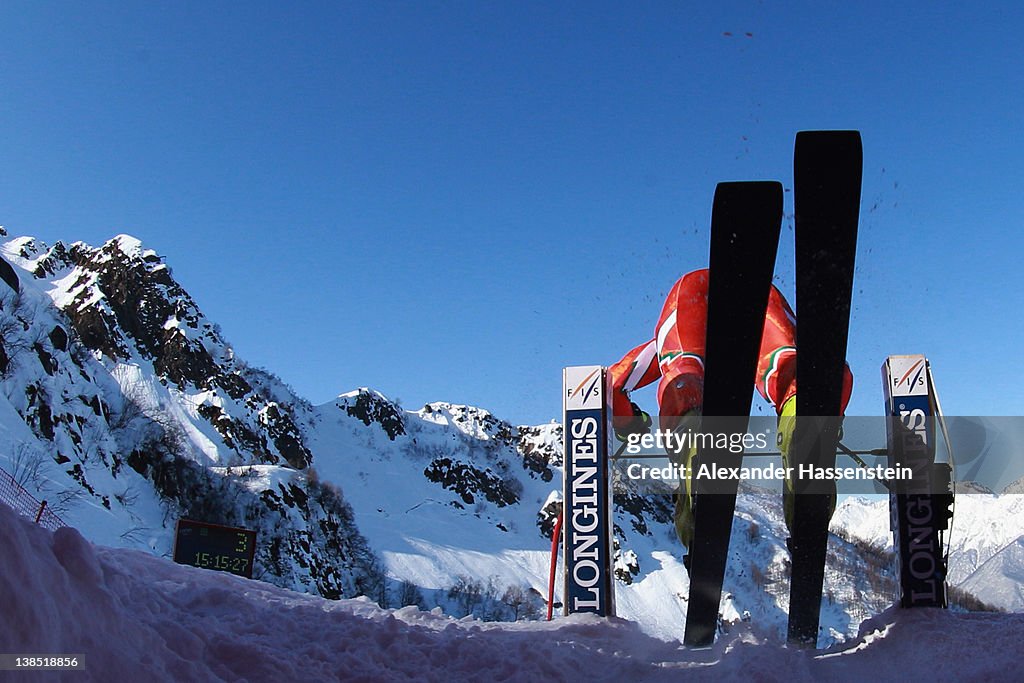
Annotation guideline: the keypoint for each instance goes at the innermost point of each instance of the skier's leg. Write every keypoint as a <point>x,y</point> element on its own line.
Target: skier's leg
<point>776,381</point>
<point>776,364</point>
<point>683,496</point>
<point>680,338</point>
<point>681,342</point>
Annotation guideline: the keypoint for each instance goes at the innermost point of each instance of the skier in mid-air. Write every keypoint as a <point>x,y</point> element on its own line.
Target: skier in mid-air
<point>676,356</point>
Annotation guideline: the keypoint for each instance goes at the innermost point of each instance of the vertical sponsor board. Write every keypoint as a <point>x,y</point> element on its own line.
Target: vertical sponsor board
<point>917,505</point>
<point>587,507</point>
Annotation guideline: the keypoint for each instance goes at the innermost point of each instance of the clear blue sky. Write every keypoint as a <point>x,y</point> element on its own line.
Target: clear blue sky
<point>452,201</point>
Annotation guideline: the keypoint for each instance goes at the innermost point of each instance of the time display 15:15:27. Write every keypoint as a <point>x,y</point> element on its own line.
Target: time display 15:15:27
<point>225,562</point>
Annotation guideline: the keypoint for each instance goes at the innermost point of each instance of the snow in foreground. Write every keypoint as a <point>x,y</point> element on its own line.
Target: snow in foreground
<point>136,617</point>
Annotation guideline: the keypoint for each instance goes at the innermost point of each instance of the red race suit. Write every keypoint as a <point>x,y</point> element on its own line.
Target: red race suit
<point>676,355</point>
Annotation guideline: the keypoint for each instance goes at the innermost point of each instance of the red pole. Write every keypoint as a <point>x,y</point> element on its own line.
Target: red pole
<point>39,515</point>
<point>556,537</point>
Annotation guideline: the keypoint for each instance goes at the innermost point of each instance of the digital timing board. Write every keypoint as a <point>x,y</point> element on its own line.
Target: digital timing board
<point>212,546</point>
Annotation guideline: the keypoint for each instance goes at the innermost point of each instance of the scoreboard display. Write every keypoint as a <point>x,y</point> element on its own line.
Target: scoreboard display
<point>212,546</point>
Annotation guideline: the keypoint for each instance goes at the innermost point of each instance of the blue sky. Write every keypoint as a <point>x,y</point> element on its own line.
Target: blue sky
<point>452,201</point>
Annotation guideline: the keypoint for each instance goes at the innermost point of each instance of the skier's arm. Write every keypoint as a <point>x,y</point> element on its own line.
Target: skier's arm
<point>637,369</point>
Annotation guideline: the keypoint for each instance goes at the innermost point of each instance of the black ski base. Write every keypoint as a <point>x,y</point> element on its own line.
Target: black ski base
<point>745,224</point>
<point>827,182</point>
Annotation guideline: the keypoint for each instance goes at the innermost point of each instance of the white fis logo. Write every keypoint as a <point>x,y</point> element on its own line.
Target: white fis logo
<point>909,375</point>
<point>583,388</point>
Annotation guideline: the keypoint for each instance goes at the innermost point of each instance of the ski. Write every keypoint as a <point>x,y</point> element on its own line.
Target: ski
<point>745,223</point>
<point>827,184</point>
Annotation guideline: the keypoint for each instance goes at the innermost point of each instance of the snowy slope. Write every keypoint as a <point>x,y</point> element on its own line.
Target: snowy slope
<point>130,616</point>
<point>1000,580</point>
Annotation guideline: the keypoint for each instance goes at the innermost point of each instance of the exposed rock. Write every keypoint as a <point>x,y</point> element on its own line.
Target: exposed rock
<point>57,259</point>
<point>8,275</point>
<point>59,338</point>
<point>371,407</point>
<point>466,480</point>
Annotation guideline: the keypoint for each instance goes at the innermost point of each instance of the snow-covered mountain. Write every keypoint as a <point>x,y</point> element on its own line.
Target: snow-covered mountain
<point>125,408</point>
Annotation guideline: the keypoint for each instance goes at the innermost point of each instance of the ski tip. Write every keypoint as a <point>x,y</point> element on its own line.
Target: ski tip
<point>748,185</point>
<point>749,192</point>
<point>821,135</point>
<point>813,142</point>
<point>823,158</point>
